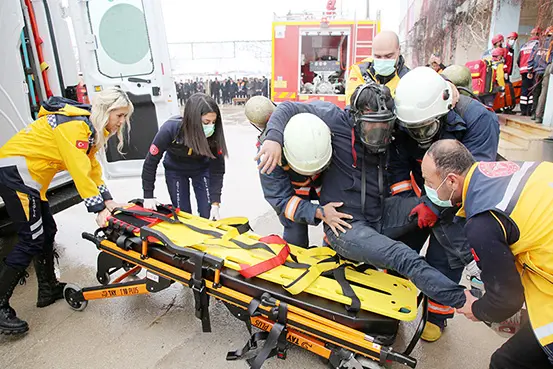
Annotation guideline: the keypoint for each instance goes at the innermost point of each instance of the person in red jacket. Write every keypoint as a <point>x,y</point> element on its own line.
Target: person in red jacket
<point>526,99</point>
<point>510,48</point>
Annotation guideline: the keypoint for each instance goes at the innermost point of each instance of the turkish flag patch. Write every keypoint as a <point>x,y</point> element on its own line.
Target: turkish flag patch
<point>82,145</point>
<point>154,150</point>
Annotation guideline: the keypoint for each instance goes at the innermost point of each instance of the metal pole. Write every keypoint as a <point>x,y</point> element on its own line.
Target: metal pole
<point>368,9</point>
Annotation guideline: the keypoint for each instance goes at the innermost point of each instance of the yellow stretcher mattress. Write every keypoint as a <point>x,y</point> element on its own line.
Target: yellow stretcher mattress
<point>377,292</point>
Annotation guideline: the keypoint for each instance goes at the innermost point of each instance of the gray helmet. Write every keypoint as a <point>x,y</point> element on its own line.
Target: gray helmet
<point>459,75</point>
<point>258,109</point>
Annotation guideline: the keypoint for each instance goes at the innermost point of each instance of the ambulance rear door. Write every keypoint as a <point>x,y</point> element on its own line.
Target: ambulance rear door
<point>123,43</point>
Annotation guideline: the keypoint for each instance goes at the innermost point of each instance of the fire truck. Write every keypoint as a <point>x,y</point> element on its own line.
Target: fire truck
<point>312,53</point>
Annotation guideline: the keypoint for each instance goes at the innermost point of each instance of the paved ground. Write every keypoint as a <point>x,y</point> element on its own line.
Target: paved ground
<point>160,330</point>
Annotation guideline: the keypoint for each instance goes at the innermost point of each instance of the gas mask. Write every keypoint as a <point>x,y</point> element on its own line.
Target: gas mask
<point>373,127</point>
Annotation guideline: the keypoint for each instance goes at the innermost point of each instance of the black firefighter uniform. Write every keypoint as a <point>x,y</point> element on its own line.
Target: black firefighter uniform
<point>523,192</point>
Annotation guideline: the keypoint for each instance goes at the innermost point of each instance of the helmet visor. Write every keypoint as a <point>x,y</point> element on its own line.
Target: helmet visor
<point>374,133</point>
<point>424,131</point>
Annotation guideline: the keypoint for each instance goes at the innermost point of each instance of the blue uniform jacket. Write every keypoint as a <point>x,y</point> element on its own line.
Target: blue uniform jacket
<point>291,193</point>
<point>477,129</point>
<point>540,56</point>
<point>180,158</point>
<point>341,181</point>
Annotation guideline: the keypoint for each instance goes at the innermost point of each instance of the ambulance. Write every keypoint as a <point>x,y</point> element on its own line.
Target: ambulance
<point>75,49</point>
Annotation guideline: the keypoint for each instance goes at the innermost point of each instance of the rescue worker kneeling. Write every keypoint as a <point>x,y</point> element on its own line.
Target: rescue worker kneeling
<point>355,178</point>
<point>426,114</point>
<point>293,184</point>
<point>508,208</point>
<point>66,136</point>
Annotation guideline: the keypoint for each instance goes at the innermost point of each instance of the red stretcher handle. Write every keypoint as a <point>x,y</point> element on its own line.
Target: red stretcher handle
<point>249,271</point>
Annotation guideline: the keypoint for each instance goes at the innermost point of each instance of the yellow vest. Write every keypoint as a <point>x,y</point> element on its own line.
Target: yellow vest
<point>355,79</point>
<point>523,191</point>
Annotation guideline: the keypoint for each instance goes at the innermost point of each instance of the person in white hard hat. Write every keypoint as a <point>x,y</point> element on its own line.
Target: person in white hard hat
<point>424,107</point>
<point>296,182</point>
<point>354,180</point>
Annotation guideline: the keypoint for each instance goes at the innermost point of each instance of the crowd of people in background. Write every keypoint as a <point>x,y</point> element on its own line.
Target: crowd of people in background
<point>223,91</point>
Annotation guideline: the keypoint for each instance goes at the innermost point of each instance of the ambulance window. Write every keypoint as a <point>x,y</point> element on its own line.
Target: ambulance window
<point>122,35</point>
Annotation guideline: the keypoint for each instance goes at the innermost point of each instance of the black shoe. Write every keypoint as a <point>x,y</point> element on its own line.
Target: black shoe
<point>49,289</point>
<point>539,120</point>
<point>9,322</point>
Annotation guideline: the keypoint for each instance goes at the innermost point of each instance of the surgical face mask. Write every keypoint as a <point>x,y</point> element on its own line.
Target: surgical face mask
<point>384,67</point>
<point>433,196</point>
<point>209,129</point>
<point>510,42</point>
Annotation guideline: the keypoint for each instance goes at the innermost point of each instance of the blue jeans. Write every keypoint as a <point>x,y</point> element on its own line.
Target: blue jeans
<point>178,184</point>
<point>363,243</point>
<point>294,233</point>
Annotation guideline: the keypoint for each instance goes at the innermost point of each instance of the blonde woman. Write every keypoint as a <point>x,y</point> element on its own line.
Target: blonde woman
<point>66,136</point>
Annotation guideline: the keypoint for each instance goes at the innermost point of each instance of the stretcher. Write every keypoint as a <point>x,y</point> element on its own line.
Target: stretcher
<point>345,312</point>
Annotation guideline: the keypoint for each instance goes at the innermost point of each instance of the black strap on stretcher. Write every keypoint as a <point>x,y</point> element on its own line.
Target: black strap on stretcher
<point>275,339</point>
<point>197,283</point>
<point>201,298</point>
<point>241,228</point>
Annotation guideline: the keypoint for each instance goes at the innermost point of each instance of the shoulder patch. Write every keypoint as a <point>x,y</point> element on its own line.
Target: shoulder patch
<point>52,120</point>
<point>82,145</point>
<point>154,150</point>
<point>498,169</point>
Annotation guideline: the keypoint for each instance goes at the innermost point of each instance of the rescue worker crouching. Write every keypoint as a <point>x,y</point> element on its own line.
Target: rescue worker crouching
<point>65,136</point>
<point>385,67</point>
<point>426,114</point>
<point>355,178</point>
<point>507,206</point>
<point>292,186</point>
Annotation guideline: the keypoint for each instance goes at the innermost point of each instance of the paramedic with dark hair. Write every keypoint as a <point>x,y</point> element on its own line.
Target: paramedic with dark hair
<point>360,137</point>
<point>195,150</point>
<point>507,207</point>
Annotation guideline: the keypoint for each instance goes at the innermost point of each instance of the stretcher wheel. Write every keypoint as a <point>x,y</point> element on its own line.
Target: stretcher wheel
<point>69,293</point>
<point>104,279</point>
<point>129,266</point>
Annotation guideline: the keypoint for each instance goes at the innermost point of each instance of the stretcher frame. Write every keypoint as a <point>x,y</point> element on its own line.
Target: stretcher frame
<point>342,346</point>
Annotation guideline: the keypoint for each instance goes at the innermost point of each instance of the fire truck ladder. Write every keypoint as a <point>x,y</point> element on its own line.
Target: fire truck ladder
<point>362,48</point>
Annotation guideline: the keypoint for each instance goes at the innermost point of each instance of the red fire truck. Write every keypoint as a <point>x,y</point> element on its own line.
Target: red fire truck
<point>312,54</point>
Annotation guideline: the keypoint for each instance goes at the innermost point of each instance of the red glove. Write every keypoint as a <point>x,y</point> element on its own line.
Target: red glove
<point>426,217</point>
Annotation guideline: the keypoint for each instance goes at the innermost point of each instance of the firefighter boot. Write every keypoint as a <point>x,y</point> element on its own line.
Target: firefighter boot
<point>9,322</point>
<point>431,332</point>
<point>49,289</point>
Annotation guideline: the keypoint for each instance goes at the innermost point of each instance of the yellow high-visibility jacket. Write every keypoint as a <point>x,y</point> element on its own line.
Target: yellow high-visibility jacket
<point>362,73</point>
<point>523,192</point>
<point>61,138</point>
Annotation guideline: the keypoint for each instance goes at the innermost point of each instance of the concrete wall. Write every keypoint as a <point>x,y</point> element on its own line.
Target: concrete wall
<point>505,18</point>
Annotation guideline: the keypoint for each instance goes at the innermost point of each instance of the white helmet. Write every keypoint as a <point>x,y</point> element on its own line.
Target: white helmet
<point>422,97</point>
<point>307,145</point>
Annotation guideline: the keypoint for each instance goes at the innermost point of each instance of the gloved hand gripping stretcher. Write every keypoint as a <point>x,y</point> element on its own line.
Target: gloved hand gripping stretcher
<point>344,312</point>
